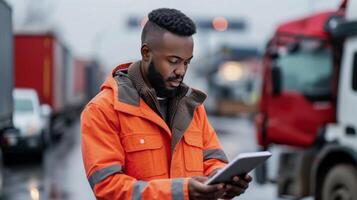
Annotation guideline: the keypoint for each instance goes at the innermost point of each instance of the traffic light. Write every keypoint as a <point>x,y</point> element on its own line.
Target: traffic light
<point>220,24</point>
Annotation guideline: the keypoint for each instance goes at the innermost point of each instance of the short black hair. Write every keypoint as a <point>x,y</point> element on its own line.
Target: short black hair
<point>171,20</point>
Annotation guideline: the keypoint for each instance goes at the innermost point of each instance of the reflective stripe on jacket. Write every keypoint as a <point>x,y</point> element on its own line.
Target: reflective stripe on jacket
<point>129,151</point>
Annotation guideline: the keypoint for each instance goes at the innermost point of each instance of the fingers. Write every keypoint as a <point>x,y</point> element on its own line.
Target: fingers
<point>220,193</point>
<point>210,188</point>
<point>198,190</point>
<point>245,177</point>
<point>206,195</point>
<point>237,186</point>
<point>203,188</point>
<point>248,178</point>
<point>240,182</point>
<point>233,191</point>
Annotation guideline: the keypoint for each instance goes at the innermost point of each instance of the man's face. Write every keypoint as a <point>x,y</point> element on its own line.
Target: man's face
<point>169,63</point>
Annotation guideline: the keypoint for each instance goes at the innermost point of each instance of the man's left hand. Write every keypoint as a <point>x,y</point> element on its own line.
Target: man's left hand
<point>237,186</point>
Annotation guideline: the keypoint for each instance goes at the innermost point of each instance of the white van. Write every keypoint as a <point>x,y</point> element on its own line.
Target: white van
<point>33,121</point>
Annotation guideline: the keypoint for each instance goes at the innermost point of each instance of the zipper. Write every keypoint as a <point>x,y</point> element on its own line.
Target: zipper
<point>176,107</point>
<point>156,104</point>
<point>173,115</point>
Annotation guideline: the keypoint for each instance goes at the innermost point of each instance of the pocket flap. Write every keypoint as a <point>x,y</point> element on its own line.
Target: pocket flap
<point>193,139</point>
<point>134,143</point>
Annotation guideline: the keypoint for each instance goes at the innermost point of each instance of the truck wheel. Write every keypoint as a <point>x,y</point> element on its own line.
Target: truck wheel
<point>340,183</point>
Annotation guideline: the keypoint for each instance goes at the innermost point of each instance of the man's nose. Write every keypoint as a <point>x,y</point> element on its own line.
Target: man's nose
<point>180,70</point>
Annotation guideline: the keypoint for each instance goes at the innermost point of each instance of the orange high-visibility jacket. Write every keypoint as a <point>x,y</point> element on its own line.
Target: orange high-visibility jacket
<point>129,151</point>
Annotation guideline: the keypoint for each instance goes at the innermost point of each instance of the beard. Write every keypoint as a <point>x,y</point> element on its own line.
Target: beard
<point>158,82</point>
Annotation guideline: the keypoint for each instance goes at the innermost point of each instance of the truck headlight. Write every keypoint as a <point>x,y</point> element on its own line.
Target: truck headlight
<point>231,71</point>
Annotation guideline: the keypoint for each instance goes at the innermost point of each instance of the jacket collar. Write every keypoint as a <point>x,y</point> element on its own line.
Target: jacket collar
<point>131,96</point>
<point>118,81</point>
<point>149,94</point>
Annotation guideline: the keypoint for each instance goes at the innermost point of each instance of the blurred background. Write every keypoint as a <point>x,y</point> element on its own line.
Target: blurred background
<point>272,70</point>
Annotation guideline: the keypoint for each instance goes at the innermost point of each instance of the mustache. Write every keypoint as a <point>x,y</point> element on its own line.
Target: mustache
<point>175,78</point>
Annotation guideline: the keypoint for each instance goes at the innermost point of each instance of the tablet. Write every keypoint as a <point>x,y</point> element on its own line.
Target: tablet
<point>240,165</point>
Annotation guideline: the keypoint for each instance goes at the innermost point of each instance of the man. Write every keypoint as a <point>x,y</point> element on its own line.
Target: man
<point>146,134</point>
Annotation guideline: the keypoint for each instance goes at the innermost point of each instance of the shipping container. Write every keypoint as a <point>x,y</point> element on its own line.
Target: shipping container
<point>39,65</point>
<point>75,76</point>
<point>75,96</point>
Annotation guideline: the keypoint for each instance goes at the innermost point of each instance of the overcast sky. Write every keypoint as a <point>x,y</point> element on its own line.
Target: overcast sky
<point>98,27</point>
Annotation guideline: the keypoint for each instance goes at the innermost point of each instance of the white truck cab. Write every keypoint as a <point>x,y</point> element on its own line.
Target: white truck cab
<point>334,174</point>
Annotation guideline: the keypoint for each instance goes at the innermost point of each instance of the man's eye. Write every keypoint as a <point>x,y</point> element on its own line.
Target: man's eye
<point>173,61</point>
<point>187,62</point>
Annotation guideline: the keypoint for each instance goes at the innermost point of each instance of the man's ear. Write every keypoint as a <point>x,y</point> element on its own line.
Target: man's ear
<point>145,52</point>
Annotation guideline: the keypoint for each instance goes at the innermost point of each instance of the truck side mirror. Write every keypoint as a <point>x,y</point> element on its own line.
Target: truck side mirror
<point>344,29</point>
<point>276,80</point>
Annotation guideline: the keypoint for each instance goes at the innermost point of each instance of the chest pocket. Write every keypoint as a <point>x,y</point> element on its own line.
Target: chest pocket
<point>145,155</point>
<point>193,151</point>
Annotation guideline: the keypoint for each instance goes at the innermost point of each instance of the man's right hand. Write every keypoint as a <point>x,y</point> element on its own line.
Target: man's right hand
<point>198,190</point>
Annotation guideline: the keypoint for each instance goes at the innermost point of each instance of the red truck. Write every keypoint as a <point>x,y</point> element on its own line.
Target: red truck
<point>44,63</point>
<point>308,103</point>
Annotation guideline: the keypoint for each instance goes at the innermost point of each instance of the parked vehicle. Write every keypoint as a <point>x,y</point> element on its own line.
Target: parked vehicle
<point>33,121</point>
<point>308,105</point>
<point>232,81</point>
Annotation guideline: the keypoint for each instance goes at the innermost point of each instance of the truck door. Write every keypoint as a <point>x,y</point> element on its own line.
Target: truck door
<point>347,96</point>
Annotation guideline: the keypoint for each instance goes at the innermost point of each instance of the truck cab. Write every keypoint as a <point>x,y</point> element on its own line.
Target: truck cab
<point>335,170</point>
<point>298,80</point>
<point>308,103</point>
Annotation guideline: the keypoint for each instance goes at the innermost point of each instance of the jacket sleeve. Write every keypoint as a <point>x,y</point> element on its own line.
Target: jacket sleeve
<point>104,161</point>
<point>214,157</point>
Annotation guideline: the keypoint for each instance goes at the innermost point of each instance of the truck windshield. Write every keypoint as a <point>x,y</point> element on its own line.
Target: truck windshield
<point>308,72</point>
<point>23,105</point>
